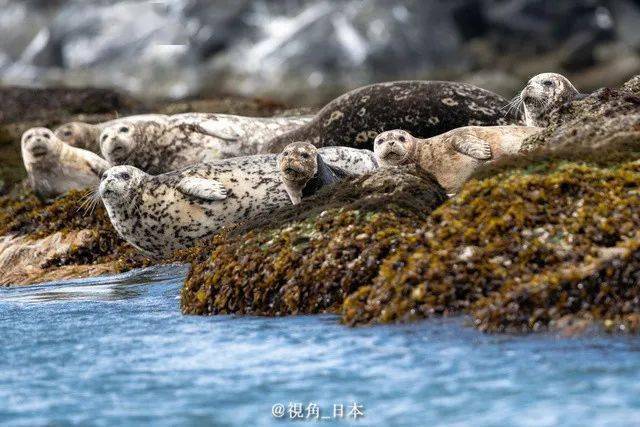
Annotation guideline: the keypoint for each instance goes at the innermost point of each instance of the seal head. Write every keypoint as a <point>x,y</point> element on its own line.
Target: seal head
<point>40,147</point>
<point>78,134</point>
<point>117,142</point>
<point>393,147</point>
<point>543,93</point>
<point>119,183</point>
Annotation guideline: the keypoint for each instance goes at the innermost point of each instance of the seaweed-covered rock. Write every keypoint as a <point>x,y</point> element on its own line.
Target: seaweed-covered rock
<point>308,258</point>
<point>548,239</point>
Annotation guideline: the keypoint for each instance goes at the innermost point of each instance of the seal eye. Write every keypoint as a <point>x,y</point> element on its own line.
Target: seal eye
<point>67,133</point>
<point>305,155</point>
<point>47,136</point>
<point>379,142</point>
<point>285,153</point>
<point>547,83</point>
<point>104,137</point>
<point>124,129</point>
<point>125,176</point>
<point>402,139</point>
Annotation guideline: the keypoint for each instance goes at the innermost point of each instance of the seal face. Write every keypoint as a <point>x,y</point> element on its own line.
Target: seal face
<point>86,135</point>
<point>542,94</point>
<point>393,147</point>
<point>453,156</point>
<point>304,172</point>
<point>423,108</point>
<point>54,167</point>
<point>186,139</point>
<point>159,214</point>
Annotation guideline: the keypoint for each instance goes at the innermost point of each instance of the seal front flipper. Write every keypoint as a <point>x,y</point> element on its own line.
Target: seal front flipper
<point>473,147</point>
<point>97,165</point>
<point>207,189</point>
<point>217,129</point>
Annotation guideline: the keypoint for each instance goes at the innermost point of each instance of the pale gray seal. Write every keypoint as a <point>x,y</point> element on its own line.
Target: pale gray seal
<point>543,93</point>
<point>453,156</point>
<point>87,135</point>
<point>159,214</point>
<point>54,167</point>
<point>424,108</point>
<point>185,139</point>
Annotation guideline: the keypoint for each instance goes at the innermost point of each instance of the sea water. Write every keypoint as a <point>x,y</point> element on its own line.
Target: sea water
<point>115,350</point>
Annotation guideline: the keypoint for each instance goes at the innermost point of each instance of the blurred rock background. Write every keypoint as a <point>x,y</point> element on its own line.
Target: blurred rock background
<point>305,52</point>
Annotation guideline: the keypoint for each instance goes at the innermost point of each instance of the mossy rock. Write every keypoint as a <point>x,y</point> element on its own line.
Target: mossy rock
<point>308,258</point>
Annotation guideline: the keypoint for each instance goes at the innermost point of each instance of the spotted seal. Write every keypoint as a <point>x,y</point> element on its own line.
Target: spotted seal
<point>159,214</point>
<point>162,146</point>
<point>303,171</point>
<point>453,156</point>
<point>424,108</point>
<point>543,93</point>
<point>87,135</point>
<point>54,167</point>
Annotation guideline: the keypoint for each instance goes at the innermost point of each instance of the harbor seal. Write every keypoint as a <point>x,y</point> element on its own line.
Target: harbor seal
<point>424,108</point>
<point>303,171</point>
<point>162,213</point>
<point>54,167</point>
<point>453,156</point>
<point>87,135</point>
<point>185,139</point>
<point>543,93</point>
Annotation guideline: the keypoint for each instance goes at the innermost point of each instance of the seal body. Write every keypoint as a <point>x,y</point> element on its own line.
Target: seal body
<point>424,108</point>
<point>542,94</point>
<point>87,135</point>
<point>159,214</point>
<point>453,156</point>
<point>304,172</point>
<point>185,139</point>
<point>54,167</point>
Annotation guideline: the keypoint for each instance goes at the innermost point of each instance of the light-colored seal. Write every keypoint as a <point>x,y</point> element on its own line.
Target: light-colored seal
<point>87,135</point>
<point>453,156</point>
<point>424,108</point>
<point>303,171</point>
<point>159,214</point>
<point>54,167</point>
<point>543,93</point>
<point>185,139</point>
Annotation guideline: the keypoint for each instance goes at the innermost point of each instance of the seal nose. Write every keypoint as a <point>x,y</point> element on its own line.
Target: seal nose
<point>392,142</point>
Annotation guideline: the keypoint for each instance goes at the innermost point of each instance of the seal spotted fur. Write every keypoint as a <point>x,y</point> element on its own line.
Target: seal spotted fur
<point>453,156</point>
<point>158,214</point>
<point>87,135</point>
<point>303,171</point>
<point>543,93</point>
<point>54,167</point>
<point>424,108</point>
<point>185,139</point>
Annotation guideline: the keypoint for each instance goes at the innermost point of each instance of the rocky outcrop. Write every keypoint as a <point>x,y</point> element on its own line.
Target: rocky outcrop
<point>545,240</point>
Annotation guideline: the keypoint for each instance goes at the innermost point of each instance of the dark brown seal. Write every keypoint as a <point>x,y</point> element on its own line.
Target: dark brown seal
<point>424,108</point>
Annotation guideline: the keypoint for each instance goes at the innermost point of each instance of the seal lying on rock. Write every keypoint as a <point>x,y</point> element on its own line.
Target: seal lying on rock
<point>158,214</point>
<point>185,139</point>
<point>424,108</point>
<point>453,156</point>
<point>87,135</point>
<point>543,93</point>
<point>303,172</point>
<point>54,167</point>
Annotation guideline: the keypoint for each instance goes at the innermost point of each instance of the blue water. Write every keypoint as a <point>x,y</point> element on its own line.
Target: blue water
<point>117,351</point>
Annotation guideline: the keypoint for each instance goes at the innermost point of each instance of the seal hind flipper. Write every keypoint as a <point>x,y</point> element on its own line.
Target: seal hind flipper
<point>473,147</point>
<point>207,189</point>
